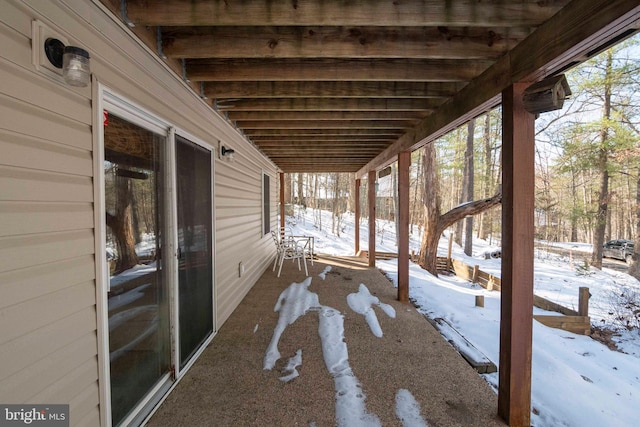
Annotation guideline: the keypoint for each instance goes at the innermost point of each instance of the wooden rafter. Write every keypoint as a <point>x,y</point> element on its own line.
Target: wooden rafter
<point>471,13</point>
<point>340,42</point>
<point>330,89</point>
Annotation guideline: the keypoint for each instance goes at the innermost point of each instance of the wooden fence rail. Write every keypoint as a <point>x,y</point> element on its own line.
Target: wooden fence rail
<point>577,322</point>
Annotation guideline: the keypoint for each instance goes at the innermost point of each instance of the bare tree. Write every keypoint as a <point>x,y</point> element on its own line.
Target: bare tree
<point>468,187</point>
<point>434,222</point>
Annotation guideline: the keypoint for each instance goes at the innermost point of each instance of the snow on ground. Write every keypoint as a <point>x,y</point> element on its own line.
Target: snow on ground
<point>296,301</point>
<point>576,381</point>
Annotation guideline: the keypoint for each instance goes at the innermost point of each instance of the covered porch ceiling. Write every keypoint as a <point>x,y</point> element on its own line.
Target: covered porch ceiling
<point>344,86</point>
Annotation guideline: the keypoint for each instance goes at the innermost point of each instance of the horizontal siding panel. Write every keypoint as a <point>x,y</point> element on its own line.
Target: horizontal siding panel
<point>32,153</point>
<point>227,306</point>
<point>15,17</point>
<point>68,387</point>
<point>15,47</point>
<point>21,352</point>
<point>36,249</point>
<point>227,204</point>
<point>27,317</point>
<point>34,217</point>
<point>48,371</point>
<point>30,87</point>
<point>85,405</point>
<point>242,198</point>
<point>229,178</point>
<point>17,286</point>
<point>226,218</point>
<point>91,419</point>
<point>237,236</point>
<point>20,117</point>
<point>227,226</point>
<point>27,184</point>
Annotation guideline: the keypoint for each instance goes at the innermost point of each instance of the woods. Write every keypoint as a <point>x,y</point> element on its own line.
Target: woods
<point>587,170</point>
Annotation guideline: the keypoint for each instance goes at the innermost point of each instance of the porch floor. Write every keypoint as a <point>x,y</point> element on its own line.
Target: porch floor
<point>227,386</point>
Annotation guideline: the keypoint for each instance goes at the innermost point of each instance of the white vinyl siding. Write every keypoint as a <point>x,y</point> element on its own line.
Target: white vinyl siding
<point>48,333</point>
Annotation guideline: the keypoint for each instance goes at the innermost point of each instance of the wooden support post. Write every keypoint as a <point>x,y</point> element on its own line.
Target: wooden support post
<point>371,199</point>
<point>479,300</point>
<point>357,217</point>
<point>474,277</point>
<point>404,163</point>
<point>516,302</point>
<point>583,301</point>
<point>281,200</point>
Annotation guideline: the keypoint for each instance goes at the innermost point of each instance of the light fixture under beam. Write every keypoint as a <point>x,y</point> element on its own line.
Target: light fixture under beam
<point>73,60</point>
<point>226,152</point>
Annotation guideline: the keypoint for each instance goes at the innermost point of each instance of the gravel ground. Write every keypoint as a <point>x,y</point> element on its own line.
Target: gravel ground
<point>228,386</point>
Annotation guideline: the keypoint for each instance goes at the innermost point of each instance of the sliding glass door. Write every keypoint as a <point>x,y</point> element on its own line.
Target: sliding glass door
<point>195,257</point>
<point>156,257</point>
<point>138,295</point>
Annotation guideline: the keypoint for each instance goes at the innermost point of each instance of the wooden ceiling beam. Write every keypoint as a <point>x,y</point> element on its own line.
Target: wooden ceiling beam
<point>410,70</point>
<point>292,168</point>
<point>239,116</point>
<point>325,124</point>
<point>470,13</point>
<point>329,104</point>
<point>340,42</point>
<point>330,89</point>
<point>321,143</point>
<point>322,132</point>
<point>323,152</point>
<point>302,139</point>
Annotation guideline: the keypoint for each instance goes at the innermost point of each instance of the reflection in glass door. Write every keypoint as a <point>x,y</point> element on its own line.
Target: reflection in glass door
<point>195,261</point>
<point>139,333</point>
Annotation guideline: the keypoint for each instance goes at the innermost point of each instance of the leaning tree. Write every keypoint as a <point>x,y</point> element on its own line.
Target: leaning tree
<point>435,222</point>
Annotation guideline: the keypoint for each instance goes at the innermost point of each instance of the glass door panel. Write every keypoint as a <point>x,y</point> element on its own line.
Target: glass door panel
<point>195,262</point>
<point>139,333</point>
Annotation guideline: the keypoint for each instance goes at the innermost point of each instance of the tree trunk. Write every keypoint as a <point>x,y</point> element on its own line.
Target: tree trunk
<point>468,191</point>
<point>483,230</point>
<point>603,160</point>
<point>634,268</point>
<point>431,201</point>
<point>121,224</point>
<point>574,213</point>
<point>299,190</point>
<point>434,222</point>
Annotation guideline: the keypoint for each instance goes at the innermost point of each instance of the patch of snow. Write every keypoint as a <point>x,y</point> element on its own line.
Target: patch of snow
<point>362,303</point>
<point>350,400</point>
<point>290,369</point>
<point>323,275</point>
<point>293,302</point>
<point>408,409</point>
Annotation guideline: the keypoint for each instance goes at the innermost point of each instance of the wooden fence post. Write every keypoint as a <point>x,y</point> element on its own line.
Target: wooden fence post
<point>583,301</point>
<point>474,278</point>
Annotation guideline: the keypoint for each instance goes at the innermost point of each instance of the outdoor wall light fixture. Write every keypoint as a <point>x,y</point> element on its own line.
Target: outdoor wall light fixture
<point>73,60</point>
<point>224,151</point>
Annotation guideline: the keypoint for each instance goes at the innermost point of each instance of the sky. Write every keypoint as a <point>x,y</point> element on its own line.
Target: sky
<point>576,381</point>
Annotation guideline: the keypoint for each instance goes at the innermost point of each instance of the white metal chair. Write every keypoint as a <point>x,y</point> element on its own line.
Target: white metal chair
<point>276,240</point>
<point>289,249</point>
